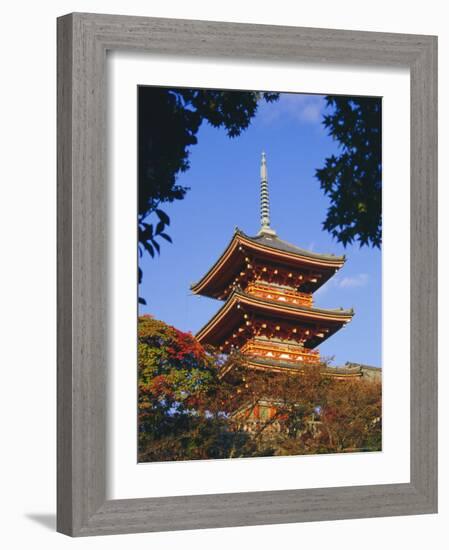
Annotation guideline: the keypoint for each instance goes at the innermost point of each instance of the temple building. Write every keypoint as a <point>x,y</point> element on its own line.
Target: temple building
<point>267,285</point>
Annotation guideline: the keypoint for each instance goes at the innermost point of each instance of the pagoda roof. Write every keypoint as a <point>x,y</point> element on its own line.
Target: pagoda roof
<point>229,317</point>
<point>273,241</point>
<point>270,248</point>
<point>260,363</point>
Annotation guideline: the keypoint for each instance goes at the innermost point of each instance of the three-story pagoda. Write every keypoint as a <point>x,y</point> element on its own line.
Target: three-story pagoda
<point>267,287</point>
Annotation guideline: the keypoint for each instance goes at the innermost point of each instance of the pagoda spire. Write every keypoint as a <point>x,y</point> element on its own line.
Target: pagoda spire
<point>265,228</point>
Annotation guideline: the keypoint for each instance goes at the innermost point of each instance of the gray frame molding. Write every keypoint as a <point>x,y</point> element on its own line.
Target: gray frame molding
<point>83,40</point>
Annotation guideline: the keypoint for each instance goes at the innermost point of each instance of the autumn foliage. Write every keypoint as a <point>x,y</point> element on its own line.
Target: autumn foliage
<point>188,410</point>
<point>182,413</point>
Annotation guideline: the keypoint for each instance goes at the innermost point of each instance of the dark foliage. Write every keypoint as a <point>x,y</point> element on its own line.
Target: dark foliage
<point>353,179</point>
<point>169,120</point>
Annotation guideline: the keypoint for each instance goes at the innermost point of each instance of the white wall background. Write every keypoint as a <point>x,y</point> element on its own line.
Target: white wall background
<point>27,274</point>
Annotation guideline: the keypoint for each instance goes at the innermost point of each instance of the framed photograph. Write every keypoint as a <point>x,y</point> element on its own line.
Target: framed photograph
<point>247,281</point>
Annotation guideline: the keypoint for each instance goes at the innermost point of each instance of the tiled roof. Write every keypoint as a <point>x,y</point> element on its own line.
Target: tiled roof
<point>273,241</point>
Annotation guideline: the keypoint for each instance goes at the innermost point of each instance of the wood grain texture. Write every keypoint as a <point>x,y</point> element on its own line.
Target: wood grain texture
<point>83,40</point>
<point>64,278</point>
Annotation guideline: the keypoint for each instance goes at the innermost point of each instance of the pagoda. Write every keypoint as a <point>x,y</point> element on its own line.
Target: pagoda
<point>267,287</point>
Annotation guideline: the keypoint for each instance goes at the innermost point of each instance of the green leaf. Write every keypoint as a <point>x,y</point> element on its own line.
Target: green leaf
<point>160,227</point>
<point>163,217</point>
<point>166,237</point>
<point>156,246</point>
<point>148,248</point>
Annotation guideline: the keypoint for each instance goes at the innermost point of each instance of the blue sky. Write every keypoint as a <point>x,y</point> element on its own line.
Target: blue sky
<point>224,193</point>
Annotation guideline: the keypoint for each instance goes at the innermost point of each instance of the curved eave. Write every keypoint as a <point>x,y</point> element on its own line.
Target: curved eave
<point>282,366</point>
<point>206,282</point>
<point>227,317</point>
<point>230,263</point>
<point>339,373</point>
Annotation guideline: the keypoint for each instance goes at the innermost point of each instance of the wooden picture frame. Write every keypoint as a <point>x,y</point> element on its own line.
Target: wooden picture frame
<point>83,40</point>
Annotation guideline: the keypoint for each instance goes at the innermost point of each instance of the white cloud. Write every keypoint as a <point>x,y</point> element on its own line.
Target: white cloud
<point>311,112</point>
<point>305,108</point>
<point>353,281</point>
<point>356,281</point>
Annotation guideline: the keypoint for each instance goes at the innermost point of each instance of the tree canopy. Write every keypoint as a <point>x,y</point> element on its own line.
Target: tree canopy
<point>353,179</point>
<point>168,123</point>
<point>186,409</point>
<point>181,405</point>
